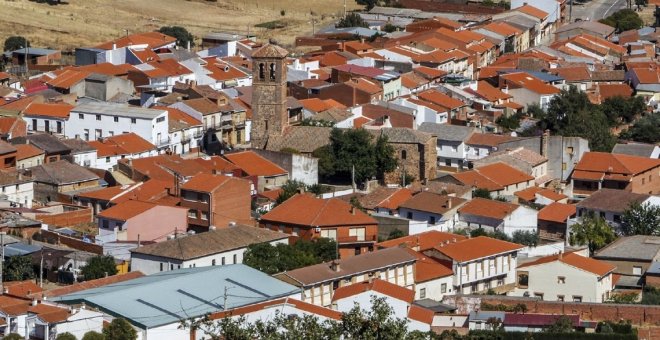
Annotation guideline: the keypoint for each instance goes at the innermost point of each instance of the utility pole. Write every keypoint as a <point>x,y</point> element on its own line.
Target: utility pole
<point>2,260</point>
<point>41,269</point>
<point>344,8</point>
<point>570,12</point>
<point>27,58</point>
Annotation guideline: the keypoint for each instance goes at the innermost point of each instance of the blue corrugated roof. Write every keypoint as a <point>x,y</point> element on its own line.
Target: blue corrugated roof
<point>169,297</point>
<point>20,249</point>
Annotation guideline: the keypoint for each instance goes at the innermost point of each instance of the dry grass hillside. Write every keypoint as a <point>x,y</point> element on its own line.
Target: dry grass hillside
<point>89,22</point>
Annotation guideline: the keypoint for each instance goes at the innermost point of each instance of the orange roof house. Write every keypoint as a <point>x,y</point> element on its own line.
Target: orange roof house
<point>265,173</point>
<point>124,144</point>
<point>133,220</point>
<point>375,286</point>
<point>498,178</point>
<point>476,248</point>
<point>600,268</point>
<point>309,217</point>
<point>422,241</point>
<point>152,40</point>
<point>553,218</point>
<point>498,216</point>
<point>597,170</point>
<point>48,110</point>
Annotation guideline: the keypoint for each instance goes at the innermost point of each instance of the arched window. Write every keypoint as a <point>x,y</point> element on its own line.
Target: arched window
<point>272,71</point>
<point>403,154</point>
<point>262,71</point>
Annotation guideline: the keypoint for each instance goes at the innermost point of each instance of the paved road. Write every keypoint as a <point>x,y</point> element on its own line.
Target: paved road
<point>596,9</point>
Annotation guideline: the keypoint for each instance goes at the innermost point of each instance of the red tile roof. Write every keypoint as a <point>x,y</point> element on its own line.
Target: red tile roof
<point>599,268</point>
<point>396,199</point>
<point>308,210</point>
<point>557,212</point>
<point>104,194</point>
<point>441,99</point>
<point>474,178</point>
<point>124,144</point>
<point>533,11</point>
<point>22,289</point>
<point>421,314</point>
<point>503,174</point>
<point>488,208</point>
<point>59,110</point>
<point>254,165</point>
<point>428,268</point>
<point>68,78</point>
<point>529,82</point>
<point>422,241</point>
<point>77,287</point>
<point>204,182</point>
<point>487,139</point>
<point>489,92</point>
<point>477,248</point>
<point>601,164</point>
<point>303,306</point>
<point>126,210</point>
<point>25,151</point>
<point>377,285</point>
<point>49,313</point>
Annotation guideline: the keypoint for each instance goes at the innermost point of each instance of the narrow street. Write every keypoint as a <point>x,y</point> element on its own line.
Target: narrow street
<point>596,9</point>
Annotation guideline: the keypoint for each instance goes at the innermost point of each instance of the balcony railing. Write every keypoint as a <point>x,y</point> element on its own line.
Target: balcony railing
<point>163,142</point>
<point>356,239</point>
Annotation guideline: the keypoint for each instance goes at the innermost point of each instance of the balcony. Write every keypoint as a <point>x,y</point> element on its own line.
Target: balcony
<point>162,142</point>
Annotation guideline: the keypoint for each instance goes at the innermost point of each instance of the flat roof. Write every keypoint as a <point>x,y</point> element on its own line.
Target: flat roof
<point>115,109</point>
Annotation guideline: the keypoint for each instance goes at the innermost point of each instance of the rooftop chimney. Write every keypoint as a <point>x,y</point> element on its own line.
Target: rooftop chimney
<point>352,210</point>
<point>34,302</point>
<point>448,203</point>
<point>335,265</point>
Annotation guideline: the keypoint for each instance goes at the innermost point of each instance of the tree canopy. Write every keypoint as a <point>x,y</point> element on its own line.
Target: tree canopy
<point>91,335</point>
<point>98,267</point>
<point>352,20</point>
<point>624,20</point>
<point>66,336</point>
<point>572,114</point>
<point>641,219</point>
<point>18,268</point>
<point>15,42</point>
<point>272,259</point>
<point>644,130</point>
<point>180,33</point>
<point>371,157</point>
<point>378,322</point>
<point>119,329</point>
<point>592,231</point>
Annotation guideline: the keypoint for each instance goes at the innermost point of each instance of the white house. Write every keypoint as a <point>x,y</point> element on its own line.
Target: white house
<point>424,111</point>
<point>186,132</point>
<point>18,189</point>
<point>47,117</point>
<point>480,263</point>
<point>109,150</point>
<point>494,215</point>
<point>46,321</point>
<point>565,277</point>
<point>451,148</point>
<point>94,120</point>
<point>439,211</point>
<point>217,247</point>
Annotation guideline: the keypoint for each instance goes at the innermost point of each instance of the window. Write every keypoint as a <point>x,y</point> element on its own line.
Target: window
<point>205,215</point>
<point>160,119</point>
<point>539,295</point>
<point>560,298</point>
<point>329,233</point>
<point>34,125</point>
<point>563,166</point>
<point>99,133</point>
<point>161,267</point>
<point>569,150</point>
<point>107,159</point>
<point>617,218</point>
<point>561,279</point>
<point>358,233</point>
<point>637,270</point>
<point>116,119</point>
<point>272,71</point>
<point>59,127</point>
<point>431,219</point>
<point>98,117</point>
<point>223,261</point>
<point>262,71</point>
<point>235,257</point>
<point>403,154</point>
<point>447,162</point>
<point>577,298</point>
<point>213,262</point>
<point>192,214</point>
<point>133,121</point>
<point>443,288</point>
<point>409,215</point>
<point>81,116</point>
<point>105,222</point>
<point>422,293</point>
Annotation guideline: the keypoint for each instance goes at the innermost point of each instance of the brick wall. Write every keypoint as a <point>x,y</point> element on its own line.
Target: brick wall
<point>67,218</point>
<point>55,238</point>
<point>637,314</point>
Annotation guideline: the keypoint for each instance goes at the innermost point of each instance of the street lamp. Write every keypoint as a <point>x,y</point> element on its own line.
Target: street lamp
<point>2,259</point>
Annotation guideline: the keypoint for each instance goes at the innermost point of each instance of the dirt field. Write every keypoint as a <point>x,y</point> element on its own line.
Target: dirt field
<point>89,22</point>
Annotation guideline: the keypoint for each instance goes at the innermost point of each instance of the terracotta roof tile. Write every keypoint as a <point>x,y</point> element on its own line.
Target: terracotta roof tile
<point>527,81</point>
<point>49,313</point>
<point>59,110</point>
<point>599,268</point>
<point>557,212</point>
<point>428,268</point>
<point>503,174</point>
<point>421,314</point>
<point>25,151</point>
<point>431,202</point>
<point>68,78</point>
<point>151,39</point>
<point>477,248</point>
<point>307,210</point>
<point>207,182</point>
<point>280,303</point>
<point>254,165</point>
<point>77,287</point>
<point>441,99</point>
<point>377,285</point>
<point>22,289</point>
<point>488,208</point>
<point>489,92</point>
<point>126,210</point>
<point>124,144</point>
<point>601,164</point>
<point>533,11</point>
<point>474,178</point>
<point>422,241</point>
<point>487,139</point>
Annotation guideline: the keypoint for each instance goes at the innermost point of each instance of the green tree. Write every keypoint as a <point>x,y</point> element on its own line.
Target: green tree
<point>509,123</point>
<point>13,336</point>
<point>625,298</point>
<point>641,219</point>
<point>326,161</point>
<point>592,231</point>
<point>368,3</point>
<point>396,233</point>
<point>563,324</point>
<point>389,28</point>
<point>645,130</point>
<point>98,267</point>
<point>15,42</point>
<point>528,238</point>
<point>352,20</point>
<point>376,323</point>
<point>18,268</point>
<point>385,161</point>
<point>65,336</point>
<point>272,259</point>
<point>119,329</point>
<point>624,20</point>
<point>91,335</point>
<point>180,33</point>
<point>290,188</point>
<point>481,192</point>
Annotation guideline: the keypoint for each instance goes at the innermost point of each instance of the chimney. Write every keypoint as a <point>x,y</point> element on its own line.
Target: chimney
<point>34,302</point>
<point>114,46</point>
<point>188,46</point>
<point>352,210</point>
<point>335,265</point>
<point>5,290</point>
<point>448,203</point>
<point>545,140</point>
